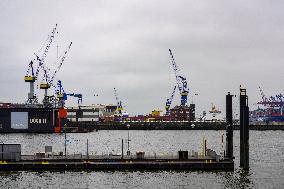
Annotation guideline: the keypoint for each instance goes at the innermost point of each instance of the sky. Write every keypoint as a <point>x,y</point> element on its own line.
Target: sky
<point>218,45</point>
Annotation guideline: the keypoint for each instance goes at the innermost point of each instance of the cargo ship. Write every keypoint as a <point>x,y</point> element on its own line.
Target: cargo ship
<point>267,115</point>
<point>269,110</point>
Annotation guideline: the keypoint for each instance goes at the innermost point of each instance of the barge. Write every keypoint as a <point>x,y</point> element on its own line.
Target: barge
<point>119,165</point>
<point>11,159</point>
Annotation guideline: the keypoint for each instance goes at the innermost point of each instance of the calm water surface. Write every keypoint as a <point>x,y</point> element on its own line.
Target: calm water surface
<point>266,160</point>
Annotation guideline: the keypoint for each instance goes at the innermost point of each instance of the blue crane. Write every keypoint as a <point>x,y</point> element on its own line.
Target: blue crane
<point>79,96</point>
<point>62,95</point>
<point>119,104</point>
<point>181,81</point>
<point>169,101</point>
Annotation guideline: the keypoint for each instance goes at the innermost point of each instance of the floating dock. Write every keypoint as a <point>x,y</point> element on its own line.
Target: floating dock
<point>12,159</point>
<point>204,164</point>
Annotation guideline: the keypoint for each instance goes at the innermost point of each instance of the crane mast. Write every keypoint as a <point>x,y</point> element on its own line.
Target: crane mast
<point>119,104</point>
<point>61,95</point>
<point>30,78</point>
<point>169,102</point>
<point>181,81</point>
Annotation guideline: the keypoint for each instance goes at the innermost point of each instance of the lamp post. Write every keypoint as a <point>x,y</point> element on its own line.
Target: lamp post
<point>87,149</point>
<point>121,148</point>
<point>192,97</point>
<point>65,142</point>
<point>128,140</point>
<point>96,95</point>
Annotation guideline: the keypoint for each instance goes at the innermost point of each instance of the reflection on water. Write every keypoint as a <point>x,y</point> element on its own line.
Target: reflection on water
<point>240,178</point>
<point>266,161</point>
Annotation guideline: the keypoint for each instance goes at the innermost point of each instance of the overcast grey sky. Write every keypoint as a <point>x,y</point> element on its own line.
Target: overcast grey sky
<point>124,44</point>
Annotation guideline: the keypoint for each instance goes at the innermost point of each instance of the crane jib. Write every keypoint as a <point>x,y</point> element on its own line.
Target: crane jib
<point>180,79</point>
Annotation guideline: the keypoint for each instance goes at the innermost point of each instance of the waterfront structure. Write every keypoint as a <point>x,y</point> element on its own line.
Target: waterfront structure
<point>183,113</point>
<point>94,112</point>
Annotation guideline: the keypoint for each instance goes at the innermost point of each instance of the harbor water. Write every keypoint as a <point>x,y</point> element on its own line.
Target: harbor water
<point>266,160</point>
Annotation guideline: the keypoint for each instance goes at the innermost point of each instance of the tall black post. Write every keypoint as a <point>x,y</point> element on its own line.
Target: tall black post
<point>244,129</point>
<point>229,128</point>
<point>242,105</point>
<point>246,138</point>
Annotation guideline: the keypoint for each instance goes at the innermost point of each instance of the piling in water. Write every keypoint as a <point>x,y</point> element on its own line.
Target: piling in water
<point>244,129</point>
<point>229,127</point>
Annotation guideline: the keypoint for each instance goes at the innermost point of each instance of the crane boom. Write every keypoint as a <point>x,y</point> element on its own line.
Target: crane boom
<point>272,101</point>
<point>47,46</point>
<point>49,80</point>
<point>264,99</point>
<point>181,81</point>
<point>60,64</point>
<point>79,96</point>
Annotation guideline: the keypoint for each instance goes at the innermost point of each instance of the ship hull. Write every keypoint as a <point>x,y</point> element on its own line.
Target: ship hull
<point>28,120</point>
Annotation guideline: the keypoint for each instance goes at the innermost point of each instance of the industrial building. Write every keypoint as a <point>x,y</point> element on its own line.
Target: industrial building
<point>94,112</point>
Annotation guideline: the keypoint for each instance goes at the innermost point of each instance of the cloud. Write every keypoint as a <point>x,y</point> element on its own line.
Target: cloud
<point>124,44</point>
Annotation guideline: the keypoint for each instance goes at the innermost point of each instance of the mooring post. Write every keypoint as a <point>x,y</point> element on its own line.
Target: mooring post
<point>246,139</point>
<point>229,127</point>
<point>242,105</point>
<point>244,129</point>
